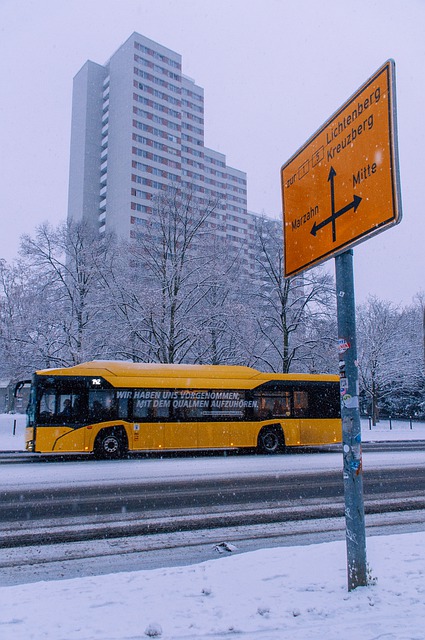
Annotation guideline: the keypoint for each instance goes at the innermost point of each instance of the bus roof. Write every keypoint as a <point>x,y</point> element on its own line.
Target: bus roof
<point>135,374</point>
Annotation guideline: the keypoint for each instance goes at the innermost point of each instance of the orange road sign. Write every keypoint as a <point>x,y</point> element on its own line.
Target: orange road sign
<point>342,186</point>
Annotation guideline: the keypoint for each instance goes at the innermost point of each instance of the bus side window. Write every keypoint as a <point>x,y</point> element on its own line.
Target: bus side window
<point>300,404</point>
<point>69,407</point>
<point>47,405</point>
<point>123,408</point>
<point>274,405</point>
<point>142,408</point>
<point>282,405</point>
<point>102,405</point>
<point>265,407</point>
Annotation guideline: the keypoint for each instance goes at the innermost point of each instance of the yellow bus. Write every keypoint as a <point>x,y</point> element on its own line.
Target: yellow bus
<point>110,408</point>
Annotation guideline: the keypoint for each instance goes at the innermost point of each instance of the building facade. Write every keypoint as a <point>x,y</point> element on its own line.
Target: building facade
<point>138,127</point>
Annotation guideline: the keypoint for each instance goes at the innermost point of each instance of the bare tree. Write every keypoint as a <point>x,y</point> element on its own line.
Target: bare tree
<point>389,357</point>
<point>169,277</point>
<point>67,263</point>
<point>289,309</point>
<point>420,304</point>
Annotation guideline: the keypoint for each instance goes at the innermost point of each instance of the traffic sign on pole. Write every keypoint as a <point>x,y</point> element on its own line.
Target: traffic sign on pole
<point>342,186</point>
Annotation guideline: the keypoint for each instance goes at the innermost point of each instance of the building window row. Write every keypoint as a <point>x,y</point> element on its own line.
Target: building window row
<point>192,128</point>
<point>236,199</point>
<point>193,152</point>
<point>155,105</point>
<point>194,107</point>
<point>157,68</point>
<point>193,163</point>
<point>157,93</point>
<point>190,116</point>
<point>236,179</point>
<point>215,194</point>
<point>141,194</point>
<point>194,187</point>
<point>230,207</point>
<point>166,97</point>
<point>215,183</point>
<point>154,131</point>
<point>143,153</point>
<point>158,107</point>
<point>193,174</point>
<point>192,140</point>
<point>192,94</point>
<point>214,161</point>
<point>161,147</point>
<point>156,80</point>
<point>232,227</point>
<point>170,112</point>
<point>236,189</point>
<point>237,219</point>
<point>135,206</point>
<point>142,167</point>
<point>215,172</point>
<point>147,182</point>
<point>136,220</point>
<point>157,55</point>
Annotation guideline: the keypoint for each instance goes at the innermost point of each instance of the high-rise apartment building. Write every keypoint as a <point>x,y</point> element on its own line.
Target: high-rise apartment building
<point>137,126</point>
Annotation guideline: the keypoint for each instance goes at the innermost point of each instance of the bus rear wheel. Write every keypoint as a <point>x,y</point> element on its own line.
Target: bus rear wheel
<point>110,444</point>
<point>271,440</point>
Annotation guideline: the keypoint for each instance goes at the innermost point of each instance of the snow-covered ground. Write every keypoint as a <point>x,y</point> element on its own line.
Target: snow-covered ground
<point>275,594</point>
<point>295,593</point>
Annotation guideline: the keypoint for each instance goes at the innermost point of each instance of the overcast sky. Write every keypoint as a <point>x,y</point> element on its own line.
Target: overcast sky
<point>273,71</point>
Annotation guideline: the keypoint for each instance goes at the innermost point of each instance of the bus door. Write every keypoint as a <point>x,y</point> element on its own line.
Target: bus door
<point>60,423</point>
<point>302,411</point>
<point>318,407</point>
<point>279,405</point>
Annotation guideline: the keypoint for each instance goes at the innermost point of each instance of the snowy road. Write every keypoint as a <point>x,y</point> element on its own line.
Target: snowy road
<point>86,500</point>
<point>122,553</point>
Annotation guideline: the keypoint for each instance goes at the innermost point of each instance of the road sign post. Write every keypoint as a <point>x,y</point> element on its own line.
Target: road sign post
<point>351,429</point>
<point>338,189</point>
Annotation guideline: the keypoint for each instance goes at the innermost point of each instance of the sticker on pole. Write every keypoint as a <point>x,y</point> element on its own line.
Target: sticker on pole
<point>343,345</point>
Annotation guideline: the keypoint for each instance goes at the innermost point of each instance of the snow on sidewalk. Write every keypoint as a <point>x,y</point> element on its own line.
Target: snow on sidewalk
<point>291,593</point>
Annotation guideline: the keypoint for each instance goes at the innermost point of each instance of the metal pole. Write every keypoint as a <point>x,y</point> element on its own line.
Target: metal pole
<point>351,429</point>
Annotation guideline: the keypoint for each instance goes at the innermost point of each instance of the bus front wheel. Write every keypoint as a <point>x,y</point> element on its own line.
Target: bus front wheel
<point>271,440</point>
<point>110,444</point>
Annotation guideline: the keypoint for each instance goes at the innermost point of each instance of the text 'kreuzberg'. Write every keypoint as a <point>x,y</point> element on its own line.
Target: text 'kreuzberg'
<point>351,120</point>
